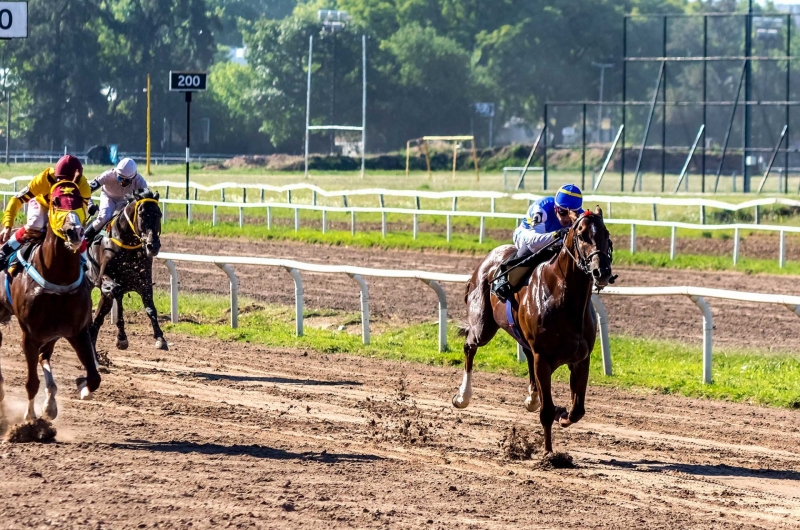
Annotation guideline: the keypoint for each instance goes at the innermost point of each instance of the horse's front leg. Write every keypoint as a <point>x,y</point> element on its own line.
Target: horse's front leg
<point>82,344</point>
<point>152,314</point>
<point>578,382</point>
<point>547,410</point>
<point>103,308</point>
<point>50,408</point>
<point>122,338</point>
<point>532,402</point>
<point>31,347</point>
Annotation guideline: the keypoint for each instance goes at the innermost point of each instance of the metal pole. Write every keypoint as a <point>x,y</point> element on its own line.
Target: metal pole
<point>188,138</point>
<point>636,175</point>
<point>8,124</point>
<point>583,151</point>
<point>730,125</point>
<point>663,112</point>
<point>363,102</point>
<point>148,126</point>
<point>308,99</point>
<point>624,100</point>
<point>748,51</point>
<point>788,92</point>
<point>689,158</point>
<point>521,181</point>
<point>333,90</point>
<point>772,161</point>
<point>491,123</point>
<point>544,159</point>
<point>608,159</point>
<point>705,101</point>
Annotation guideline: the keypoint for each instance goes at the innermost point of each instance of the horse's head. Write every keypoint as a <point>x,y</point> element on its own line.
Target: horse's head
<point>67,214</point>
<point>147,220</point>
<point>589,243</point>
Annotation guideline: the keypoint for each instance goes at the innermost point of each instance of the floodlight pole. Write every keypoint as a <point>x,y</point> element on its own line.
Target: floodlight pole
<point>308,97</point>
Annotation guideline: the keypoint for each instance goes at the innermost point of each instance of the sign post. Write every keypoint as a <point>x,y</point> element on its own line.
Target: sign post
<point>188,82</point>
<point>13,25</point>
<point>486,110</point>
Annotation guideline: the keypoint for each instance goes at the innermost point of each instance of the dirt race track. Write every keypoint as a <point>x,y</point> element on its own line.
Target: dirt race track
<point>232,435</point>
<point>401,301</point>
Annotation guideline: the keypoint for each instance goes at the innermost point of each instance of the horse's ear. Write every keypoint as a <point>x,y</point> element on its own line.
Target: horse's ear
<point>598,211</point>
<point>129,197</point>
<point>155,195</point>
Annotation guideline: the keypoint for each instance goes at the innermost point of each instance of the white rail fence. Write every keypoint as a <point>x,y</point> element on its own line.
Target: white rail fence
<point>433,280</point>
<point>352,211</point>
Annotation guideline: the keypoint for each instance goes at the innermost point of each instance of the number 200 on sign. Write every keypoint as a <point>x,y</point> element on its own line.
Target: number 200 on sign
<point>187,81</point>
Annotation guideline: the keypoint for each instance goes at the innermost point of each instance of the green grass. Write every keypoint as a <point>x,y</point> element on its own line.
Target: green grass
<point>465,243</point>
<point>665,367</point>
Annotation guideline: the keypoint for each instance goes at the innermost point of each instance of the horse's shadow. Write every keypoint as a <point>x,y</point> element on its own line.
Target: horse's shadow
<point>707,470</point>
<point>253,450</point>
<point>270,379</point>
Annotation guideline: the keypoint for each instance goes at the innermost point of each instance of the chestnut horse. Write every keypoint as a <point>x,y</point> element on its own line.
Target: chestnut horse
<point>51,298</point>
<point>552,315</point>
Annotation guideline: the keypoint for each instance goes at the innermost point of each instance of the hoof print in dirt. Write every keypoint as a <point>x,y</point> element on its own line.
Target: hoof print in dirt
<point>557,461</point>
<point>519,443</point>
<point>39,430</point>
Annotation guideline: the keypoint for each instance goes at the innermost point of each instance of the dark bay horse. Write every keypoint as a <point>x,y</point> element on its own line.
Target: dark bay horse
<point>122,262</point>
<point>552,314</point>
<point>51,299</point>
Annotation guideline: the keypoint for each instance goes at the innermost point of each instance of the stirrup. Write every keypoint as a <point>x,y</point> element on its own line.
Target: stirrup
<point>502,288</point>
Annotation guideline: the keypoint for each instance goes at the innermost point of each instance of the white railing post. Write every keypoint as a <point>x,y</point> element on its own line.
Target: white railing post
<point>708,330</point>
<point>735,246</point>
<point>416,225</point>
<point>324,221</point>
<point>782,249</point>
<point>189,216</point>
<point>269,218</point>
<point>672,243</point>
<point>296,219</point>
<point>241,217</point>
<point>602,324</point>
<point>234,282</point>
<point>449,228</point>
<point>173,291</point>
<point>521,358</point>
<point>213,216</point>
<point>482,230</point>
<point>352,223</point>
<point>633,238</point>
<point>442,313</point>
<point>298,300</point>
<point>383,224</point>
<point>364,307</point>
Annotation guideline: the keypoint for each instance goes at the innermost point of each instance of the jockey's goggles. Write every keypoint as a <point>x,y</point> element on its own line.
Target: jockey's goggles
<point>124,180</point>
<point>562,211</point>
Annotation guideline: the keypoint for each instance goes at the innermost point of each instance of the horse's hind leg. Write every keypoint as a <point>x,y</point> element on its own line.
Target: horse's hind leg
<point>103,309</point>
<point>481,328</point>
<point>578,381</point>
<point>532,399</point>
<point>122,337</point>
<point>152,314</point>
<point>50,408</point>
<point>82,344</point>
<point>31,349</point>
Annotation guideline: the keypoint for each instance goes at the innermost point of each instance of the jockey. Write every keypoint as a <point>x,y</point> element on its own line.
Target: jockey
<point>114,184</point>
<point>37,195</point>
<point>548,220</point>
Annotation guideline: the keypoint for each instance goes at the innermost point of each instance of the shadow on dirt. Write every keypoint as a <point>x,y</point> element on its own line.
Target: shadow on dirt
<point>708,470</point>
<point>255,451</point>
<point>277,380</point>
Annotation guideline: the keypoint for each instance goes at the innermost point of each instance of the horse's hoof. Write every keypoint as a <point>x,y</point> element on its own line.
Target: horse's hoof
<point>122,344</point>
<point>83,389</point>
<point>459,402</point>
<point>50,411</point>
<point>161,344</point>
<point>532,403</point>
<point>562,417</point>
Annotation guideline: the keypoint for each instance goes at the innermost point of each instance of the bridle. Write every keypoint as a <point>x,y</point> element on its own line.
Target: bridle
<point>132,224</point>
<point>584,261</point>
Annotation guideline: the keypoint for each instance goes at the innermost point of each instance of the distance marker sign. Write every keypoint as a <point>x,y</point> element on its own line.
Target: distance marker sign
<point>13,20</point>
<point>187,81</point>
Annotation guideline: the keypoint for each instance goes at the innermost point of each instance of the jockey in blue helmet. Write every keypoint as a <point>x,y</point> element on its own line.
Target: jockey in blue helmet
<point>548,220</point>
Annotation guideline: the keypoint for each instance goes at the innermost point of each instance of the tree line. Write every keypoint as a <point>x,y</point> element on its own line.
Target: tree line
<point>80,77</point>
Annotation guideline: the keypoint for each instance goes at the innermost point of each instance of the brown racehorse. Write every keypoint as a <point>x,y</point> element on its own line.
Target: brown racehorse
<point>51,299</point>
<point>552,313</point>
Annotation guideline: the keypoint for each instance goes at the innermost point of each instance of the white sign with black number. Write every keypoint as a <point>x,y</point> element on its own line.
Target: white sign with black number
<point>187,81</point>
<point>13,20</point>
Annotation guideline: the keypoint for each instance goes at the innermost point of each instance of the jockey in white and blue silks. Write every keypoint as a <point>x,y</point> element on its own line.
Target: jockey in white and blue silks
<point>545,218</point>
<point>114,185</point>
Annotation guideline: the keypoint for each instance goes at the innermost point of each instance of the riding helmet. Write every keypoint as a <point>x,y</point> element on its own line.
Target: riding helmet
<point>126,168</point>
<point>67,167</point>
<point>569,196</point>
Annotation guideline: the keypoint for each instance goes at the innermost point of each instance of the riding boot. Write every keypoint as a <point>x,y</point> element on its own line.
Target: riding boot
<point>5,252</point>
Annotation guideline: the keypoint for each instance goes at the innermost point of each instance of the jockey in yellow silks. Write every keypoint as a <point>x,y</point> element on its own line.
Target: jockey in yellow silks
<point>37,196</point>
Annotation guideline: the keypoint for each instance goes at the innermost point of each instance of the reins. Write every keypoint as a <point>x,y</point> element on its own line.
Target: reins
<point>131,223</point>
<point>583,262</point>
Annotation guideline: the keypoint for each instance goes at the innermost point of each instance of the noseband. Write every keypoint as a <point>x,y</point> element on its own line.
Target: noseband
<point>584,262</point>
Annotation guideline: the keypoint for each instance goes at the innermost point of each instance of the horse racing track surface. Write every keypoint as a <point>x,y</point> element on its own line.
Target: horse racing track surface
<point>233,435</point>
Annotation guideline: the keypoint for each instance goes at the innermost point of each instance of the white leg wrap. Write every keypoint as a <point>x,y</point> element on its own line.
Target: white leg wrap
<point>84,392</point>
<point>532,401</point>
<point>461,400</point>
<point>30,414</point>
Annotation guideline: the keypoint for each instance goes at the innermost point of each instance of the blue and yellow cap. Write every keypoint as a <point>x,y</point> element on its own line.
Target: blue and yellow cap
<point>569,196</point>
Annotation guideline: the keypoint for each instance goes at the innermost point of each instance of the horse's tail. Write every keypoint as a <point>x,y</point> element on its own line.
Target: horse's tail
<point>463,328</point>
